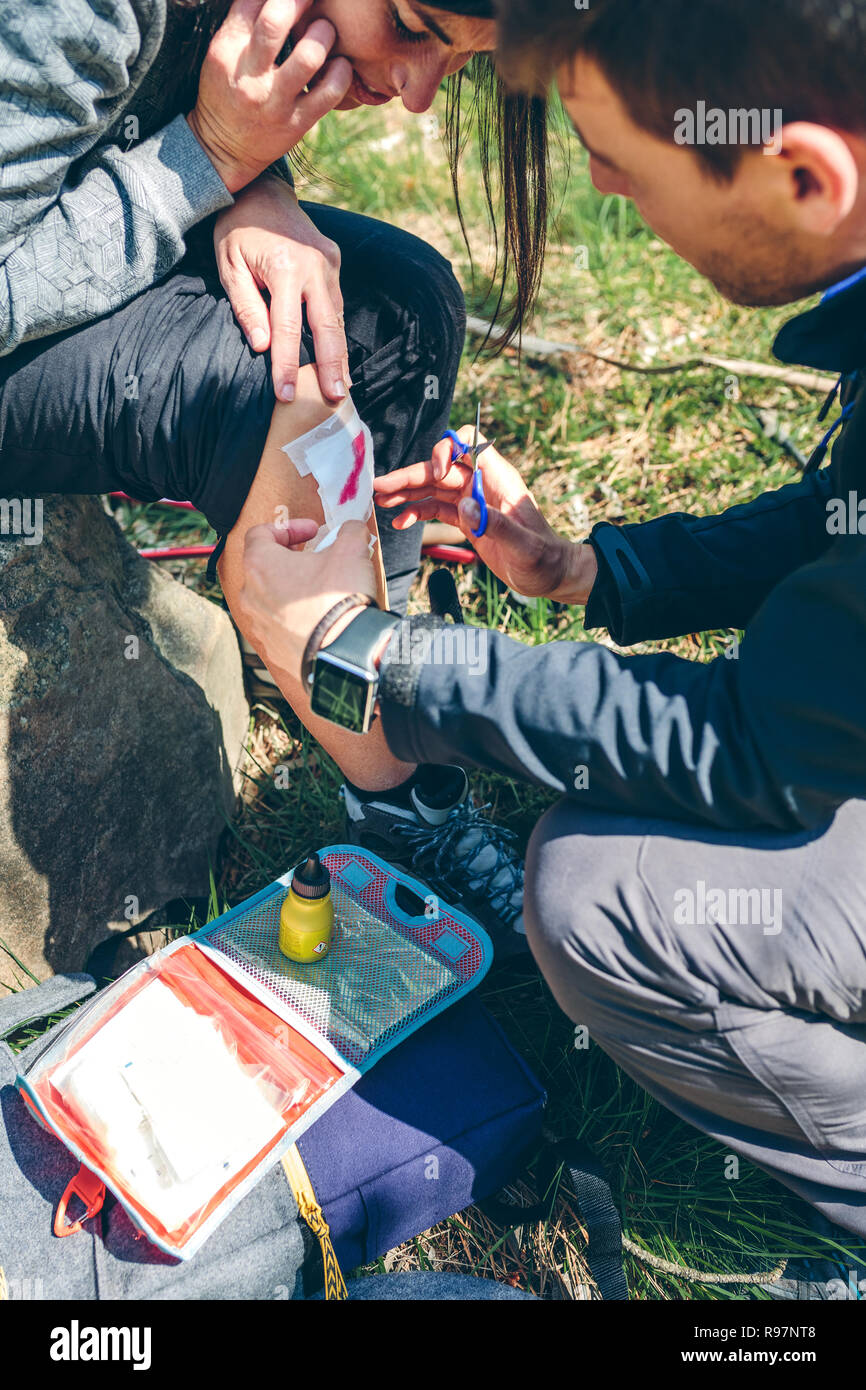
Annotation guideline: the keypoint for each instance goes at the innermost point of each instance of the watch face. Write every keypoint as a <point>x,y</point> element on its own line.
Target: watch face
<point>341,697</point>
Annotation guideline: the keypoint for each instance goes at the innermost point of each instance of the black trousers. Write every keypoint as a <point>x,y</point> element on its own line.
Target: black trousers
<point>164,398</point>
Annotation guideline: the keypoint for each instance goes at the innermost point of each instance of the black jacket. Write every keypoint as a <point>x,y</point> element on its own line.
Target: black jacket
<point>775,736</point>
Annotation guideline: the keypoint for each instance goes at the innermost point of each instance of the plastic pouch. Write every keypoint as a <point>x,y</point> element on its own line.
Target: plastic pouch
<point>177,1088</point>
<point>190,1076</point>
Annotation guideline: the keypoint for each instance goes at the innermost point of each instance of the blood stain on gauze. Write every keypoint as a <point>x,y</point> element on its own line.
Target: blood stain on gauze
<point>350,491</point>
<point>339,454</point>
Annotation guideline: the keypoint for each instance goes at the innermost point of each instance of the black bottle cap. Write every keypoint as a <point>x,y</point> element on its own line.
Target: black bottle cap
<point>311,879</point>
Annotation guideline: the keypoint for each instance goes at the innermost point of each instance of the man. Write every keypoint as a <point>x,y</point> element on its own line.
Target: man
<point>698,898</point>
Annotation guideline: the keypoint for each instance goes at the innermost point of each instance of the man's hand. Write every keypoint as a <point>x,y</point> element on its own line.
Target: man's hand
<point>287,592</point>
<point>518,544</point>
<point>249,111</point>
<point>265,242</point>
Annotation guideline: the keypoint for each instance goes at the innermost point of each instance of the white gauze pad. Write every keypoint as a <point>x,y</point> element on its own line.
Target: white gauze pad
<point>167,1093</point>
<point>339,454</point>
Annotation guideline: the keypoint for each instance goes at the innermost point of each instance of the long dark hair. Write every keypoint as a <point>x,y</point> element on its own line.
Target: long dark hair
<point>511,132</point>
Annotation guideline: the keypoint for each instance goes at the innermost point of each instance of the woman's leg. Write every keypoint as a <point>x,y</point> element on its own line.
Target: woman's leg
<point>406,324</point>
<point>165,398</point>
<point>365,759</point>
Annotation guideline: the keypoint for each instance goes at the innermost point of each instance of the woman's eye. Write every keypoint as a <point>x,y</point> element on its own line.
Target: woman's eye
<point>404,32</point>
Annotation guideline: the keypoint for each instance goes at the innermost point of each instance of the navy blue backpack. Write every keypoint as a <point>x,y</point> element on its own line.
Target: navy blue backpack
<point>404,1149</point>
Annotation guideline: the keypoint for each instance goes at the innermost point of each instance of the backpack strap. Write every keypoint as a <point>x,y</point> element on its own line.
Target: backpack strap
<point>308,1205</point>
<point>588,1181</point>
<point>591,1188</point>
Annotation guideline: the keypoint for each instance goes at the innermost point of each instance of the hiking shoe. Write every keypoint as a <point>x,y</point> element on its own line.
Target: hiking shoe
<point>813,1279</point>
<point>832,1276</point>
<point>431,826</point>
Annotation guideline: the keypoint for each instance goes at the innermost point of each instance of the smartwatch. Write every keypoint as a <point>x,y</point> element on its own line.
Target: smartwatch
<point>342,677</point>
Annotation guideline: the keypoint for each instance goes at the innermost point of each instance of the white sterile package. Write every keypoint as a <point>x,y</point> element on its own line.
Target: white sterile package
<point>339,454</point>
<point>165,1093</point>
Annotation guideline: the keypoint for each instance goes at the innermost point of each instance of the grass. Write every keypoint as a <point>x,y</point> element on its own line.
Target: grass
<point>593,442</point>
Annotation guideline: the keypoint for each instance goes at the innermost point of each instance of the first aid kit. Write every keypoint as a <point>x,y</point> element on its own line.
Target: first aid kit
<point>179,1086</point>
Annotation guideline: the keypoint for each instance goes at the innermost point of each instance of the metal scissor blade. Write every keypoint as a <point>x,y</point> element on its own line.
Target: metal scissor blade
<point>477,435</point>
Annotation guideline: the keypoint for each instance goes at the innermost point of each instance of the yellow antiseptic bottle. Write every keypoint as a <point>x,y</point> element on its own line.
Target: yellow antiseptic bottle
<point>307,913</point>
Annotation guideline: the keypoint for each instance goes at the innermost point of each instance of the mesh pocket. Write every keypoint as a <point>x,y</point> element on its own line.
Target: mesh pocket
<point>372,984</point>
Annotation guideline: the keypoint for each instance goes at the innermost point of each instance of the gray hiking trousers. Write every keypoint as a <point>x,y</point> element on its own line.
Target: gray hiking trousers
<point>726,973</point>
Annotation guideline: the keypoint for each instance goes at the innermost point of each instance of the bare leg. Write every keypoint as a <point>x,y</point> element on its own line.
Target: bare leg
<point>364,758</point>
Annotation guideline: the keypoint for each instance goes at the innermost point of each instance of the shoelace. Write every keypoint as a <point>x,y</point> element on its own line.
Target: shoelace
<point>437,849</point>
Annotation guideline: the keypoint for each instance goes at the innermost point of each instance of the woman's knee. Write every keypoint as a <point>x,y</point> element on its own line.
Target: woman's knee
<point>424,284</point>
<point>451,312</point>
<point>443,286</point>
<point>413,287</point>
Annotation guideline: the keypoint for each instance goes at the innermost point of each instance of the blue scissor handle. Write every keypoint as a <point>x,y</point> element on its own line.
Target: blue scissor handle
<point>460,451</point>
<point>478,494</point>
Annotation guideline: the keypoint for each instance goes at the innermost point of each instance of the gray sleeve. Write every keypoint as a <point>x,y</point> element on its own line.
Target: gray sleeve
<point>84,227</point>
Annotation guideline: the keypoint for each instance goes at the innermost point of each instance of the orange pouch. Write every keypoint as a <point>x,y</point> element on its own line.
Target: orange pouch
<point>179,1085</point>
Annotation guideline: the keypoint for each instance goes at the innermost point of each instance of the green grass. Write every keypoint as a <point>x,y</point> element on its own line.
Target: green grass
<point>593,442</point>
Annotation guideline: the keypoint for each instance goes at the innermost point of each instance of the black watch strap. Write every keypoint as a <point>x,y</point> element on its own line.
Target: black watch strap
<point>323,627</point>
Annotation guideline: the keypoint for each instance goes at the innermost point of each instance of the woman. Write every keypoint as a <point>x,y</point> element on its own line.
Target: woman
<point>146,207</point>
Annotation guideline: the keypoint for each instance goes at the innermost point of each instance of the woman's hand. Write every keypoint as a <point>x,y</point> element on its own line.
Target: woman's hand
<point>518,544</point>
<point>265,242</point>
<point>286,592</point>
<point>249,111</point>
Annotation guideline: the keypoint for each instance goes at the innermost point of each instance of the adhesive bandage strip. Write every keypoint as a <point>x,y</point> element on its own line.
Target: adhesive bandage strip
<point>339,454</point>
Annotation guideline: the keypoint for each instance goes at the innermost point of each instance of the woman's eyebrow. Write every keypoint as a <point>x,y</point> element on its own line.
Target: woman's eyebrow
<point>433,27</point>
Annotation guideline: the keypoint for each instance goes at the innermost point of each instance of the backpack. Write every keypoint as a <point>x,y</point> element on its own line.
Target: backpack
<point>399,1152</point>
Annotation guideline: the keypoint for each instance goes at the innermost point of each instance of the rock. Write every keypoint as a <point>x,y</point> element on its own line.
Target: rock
<point>122,724</point>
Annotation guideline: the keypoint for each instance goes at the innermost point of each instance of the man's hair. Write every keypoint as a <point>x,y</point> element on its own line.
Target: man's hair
<point>805,58</point>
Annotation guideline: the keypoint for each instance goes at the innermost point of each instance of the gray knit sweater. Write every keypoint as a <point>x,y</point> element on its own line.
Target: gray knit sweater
<point>101,178</point>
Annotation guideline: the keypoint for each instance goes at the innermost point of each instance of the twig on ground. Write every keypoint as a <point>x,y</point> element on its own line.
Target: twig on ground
<point>545,348</point>
<point>695,1276</point>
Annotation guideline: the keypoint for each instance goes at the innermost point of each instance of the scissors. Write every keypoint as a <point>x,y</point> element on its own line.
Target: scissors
<point>459,451</point>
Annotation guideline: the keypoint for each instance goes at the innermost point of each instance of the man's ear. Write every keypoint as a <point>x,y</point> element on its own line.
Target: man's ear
<point>821,176</point>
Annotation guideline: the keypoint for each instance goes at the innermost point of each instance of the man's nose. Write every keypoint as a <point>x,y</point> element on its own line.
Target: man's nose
<point>606,181</point>
<point>418,83</point>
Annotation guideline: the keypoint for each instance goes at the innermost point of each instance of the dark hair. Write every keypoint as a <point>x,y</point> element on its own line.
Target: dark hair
<point>803,57</point>
<point>512,132</point>
<point>511,129</point>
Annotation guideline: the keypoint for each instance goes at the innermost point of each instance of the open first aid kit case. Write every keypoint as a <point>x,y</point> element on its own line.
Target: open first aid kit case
<point>191,1075</point>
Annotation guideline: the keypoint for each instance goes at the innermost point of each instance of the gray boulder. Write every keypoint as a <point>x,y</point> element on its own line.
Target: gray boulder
<point>122,724</point>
